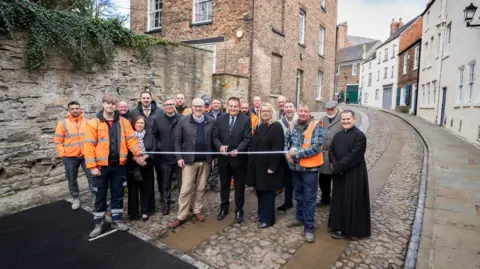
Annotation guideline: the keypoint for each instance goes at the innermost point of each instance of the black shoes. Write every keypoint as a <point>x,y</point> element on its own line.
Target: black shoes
<point>222,214</point>
<point>264,225</point>
<point>239,217</point>
<point>338,235</point>
<point>284,207</point>
<point>165,210</point>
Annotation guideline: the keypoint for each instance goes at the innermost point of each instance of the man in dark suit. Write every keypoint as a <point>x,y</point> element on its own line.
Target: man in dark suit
<point>232,134</point>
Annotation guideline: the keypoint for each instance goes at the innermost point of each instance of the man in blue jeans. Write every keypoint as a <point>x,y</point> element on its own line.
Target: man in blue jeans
<point>304,156</point>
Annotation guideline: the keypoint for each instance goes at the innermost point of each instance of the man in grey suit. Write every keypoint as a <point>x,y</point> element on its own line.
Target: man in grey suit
<point>332,125</point>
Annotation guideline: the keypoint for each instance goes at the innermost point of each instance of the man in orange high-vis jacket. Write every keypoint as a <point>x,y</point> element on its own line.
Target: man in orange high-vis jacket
<point>108,138</point>
<point>244,108</point>
<point>68,139</point>
<point>304,156</point>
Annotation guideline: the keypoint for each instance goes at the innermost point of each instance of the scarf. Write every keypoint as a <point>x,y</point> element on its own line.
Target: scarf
<point>140,137</point>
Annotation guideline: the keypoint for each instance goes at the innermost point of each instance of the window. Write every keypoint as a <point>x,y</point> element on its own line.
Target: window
<point>202,11</point>
<point>460,85</point>
<point>299,82</point>
<point>471,75</point>
<point>393,52</point>
<point>448,34</point>
<point>323,4</point>
<point>361,85</point>
<point>393,70</point>
<point>338,70</point>
<point>211,47</point>
<point>403,96</point>
<point>354,69</point>
<point>386,54</point>
<point>385,75</point>
<point>154,14</point>
<point>377,94</point>
<point>321,48</point>
<point>432,51</point>
<point>434,96</point>
<point>423,94</point>
<point>379,57</point>
<point>405,62</point>
<point>417,57</point>
<point>428,93</point>
<point>438,45</point>
<point>425,55</point>
<point>276,74</point>
<point>301,27</point>
<point>370,79</point>
<point>378,75</point>
<point>318,88</point>
<point>370,65</point>
<point>365,100</point>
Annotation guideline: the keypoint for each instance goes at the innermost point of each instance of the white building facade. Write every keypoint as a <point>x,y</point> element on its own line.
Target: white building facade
<point>449,90</point>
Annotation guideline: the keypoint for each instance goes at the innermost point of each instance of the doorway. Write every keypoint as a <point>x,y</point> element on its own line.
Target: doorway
<point>441,121</point>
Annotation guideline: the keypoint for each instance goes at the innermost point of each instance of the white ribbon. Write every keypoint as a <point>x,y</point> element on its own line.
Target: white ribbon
<point>213,152</point>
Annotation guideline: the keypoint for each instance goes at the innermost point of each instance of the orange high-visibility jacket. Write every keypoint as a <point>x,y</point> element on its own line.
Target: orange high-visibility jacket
<point>255,122</point>
<point>97,141</point>
<point>69,136</point>
<point>317,160</point>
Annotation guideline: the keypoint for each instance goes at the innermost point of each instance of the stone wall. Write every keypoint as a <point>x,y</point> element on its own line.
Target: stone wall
<point>226,85</point>
<point>31,102</point>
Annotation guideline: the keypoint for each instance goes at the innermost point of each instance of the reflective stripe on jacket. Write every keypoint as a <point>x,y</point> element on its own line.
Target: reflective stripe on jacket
<point>97,142</point>
<point>316,160</point>
<point>69,136</point>
<point>186,111</point>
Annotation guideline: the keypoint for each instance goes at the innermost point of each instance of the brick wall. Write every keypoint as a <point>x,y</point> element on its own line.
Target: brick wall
<point>411,35</point>
<point>346,70</point>
<point>411,76</point>
<point>31,102</point>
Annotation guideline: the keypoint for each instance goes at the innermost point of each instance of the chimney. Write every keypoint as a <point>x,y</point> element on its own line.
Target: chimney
<point>394,26</point>
<point>342,31</point>
<point>400,22</point>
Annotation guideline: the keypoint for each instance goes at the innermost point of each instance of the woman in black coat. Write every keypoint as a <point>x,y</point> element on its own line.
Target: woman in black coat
<point>266,171</point>
<point>140,174</point>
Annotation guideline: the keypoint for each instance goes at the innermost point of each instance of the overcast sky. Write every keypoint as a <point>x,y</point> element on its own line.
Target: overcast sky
<point>367,18</point>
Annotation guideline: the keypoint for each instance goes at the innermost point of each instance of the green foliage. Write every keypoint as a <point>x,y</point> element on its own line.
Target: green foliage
<point>83,41</point>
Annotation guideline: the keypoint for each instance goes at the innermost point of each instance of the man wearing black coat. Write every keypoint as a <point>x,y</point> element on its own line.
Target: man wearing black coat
<point>165,129</point>
<point>232,134</point>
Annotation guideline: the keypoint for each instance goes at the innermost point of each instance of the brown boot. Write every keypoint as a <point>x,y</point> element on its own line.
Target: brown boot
<point>199,217</point>
<point>175,223</point>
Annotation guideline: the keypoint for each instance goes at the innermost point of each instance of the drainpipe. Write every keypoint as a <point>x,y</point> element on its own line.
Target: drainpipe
<point>251,49</point>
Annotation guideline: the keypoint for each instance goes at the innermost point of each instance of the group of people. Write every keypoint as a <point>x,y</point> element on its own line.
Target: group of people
<point>264,147</point>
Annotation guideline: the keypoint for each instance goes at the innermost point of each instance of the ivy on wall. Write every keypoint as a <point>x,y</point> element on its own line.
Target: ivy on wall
<point>83,41</point>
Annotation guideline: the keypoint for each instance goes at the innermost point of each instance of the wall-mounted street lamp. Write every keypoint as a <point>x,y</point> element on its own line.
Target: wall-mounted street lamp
<point>469,13</point>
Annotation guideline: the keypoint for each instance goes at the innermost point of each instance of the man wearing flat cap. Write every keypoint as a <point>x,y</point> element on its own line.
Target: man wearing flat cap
<point>332,125</point>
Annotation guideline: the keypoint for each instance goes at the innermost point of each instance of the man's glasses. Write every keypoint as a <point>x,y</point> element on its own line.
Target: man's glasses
<point>169,104</point>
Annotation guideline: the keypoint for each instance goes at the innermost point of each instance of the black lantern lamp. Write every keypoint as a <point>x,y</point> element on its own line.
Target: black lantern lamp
<point>469,13</point>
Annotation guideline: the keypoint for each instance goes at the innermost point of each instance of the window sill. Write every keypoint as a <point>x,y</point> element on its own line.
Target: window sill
<point>323,56</point>
<point>154,30</point>
<point>275,30</point>
<point>427,107</point>
<point>445,57</point>
<point>415,69</point>
<point>318,99</point>
<point>195,24</point>
<point>324,9</point>
<point>302,45</point>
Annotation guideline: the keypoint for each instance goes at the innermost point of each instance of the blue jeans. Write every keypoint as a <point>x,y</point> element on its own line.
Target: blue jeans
<point>72,164</point>
<point>306,187</point>
<point>110,175</point>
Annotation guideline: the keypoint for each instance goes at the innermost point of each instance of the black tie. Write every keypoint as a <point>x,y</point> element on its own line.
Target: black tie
<point>230,126</point>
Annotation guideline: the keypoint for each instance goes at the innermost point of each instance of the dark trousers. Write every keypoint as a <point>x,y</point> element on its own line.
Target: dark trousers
<point>288,187</point>
<point>214,176</point>
<point>110,175</point>
<point>226,173</point>
<point>266,206</point>
<point>141,190</point>
<point>305,184</point>
<point>325,184</point>
<point>165,182</point>
<point>72,164</point>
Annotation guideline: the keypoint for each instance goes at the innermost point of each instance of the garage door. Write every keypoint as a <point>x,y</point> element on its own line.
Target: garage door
<point>387,98</point>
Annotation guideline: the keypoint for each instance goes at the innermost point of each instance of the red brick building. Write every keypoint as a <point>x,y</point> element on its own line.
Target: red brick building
<point>263,48</point>
<point>409,66</point>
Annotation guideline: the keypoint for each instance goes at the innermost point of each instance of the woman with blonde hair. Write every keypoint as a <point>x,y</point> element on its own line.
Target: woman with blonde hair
<point>266,171</point>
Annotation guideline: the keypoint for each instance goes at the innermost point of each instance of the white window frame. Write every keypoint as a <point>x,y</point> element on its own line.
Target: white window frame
<point>393,70</point>
<point>206,16</point>
<point>323,3</point>
<point>460,85</point>
<point>338,70</point>
<point>370,79</point>
<point>301,27</point>
<point>417,58</point>
<point>403,96</point>
<point>428,93</point>
<point>434,95</point>
<point>378,75</point>
<point>405,63</point>
<point>425,56</point>
<point>211,47</point>
<point>377,94</point>
<point>423,94</point>
<point>152,12</point>
<point>318,86</point>
<point>393,51</point>
<point>321,47</point>
<point>386,72</point>
<point>386,54</point>
<point>448,35</point>
<point>354,69</point>
<point>471,80</point>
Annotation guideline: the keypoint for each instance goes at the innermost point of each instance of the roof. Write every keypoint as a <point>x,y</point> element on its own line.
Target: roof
<point>400,30</point>
<point>357,40</point>
<point>353,53</point>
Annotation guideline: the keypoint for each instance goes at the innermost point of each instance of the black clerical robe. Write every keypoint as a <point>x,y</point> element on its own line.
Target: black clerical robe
<point>350,204</point>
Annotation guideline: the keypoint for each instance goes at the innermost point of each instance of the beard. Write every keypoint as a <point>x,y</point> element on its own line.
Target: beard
<point>331,116</point>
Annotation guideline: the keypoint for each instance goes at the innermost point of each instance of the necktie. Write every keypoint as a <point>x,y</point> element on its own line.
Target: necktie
<point>230,126</point>
<point>146,112</point>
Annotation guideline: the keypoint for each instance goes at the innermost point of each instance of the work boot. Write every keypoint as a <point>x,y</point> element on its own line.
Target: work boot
<point>175,223</point>
<point>76,203</point>
<point>99,229</point>
<point>119,225</point>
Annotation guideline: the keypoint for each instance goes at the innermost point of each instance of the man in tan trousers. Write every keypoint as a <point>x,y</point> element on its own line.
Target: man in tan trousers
<point>193,134</point>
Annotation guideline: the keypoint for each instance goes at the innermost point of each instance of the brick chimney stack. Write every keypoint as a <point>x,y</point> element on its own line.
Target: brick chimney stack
<point>342,32</point>
<point>400,23</point>
<point>394,26</point>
